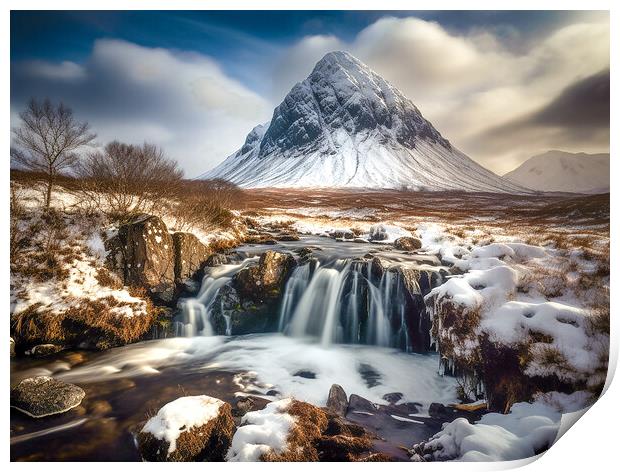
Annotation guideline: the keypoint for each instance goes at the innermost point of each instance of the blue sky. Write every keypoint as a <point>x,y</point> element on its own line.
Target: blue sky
<point>255,57</point>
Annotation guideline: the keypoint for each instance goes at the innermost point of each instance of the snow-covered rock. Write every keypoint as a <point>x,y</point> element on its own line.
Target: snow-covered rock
<point>345,126</point>
<point>188,429</point>
<point>529,428</point>
<point>558,171</point>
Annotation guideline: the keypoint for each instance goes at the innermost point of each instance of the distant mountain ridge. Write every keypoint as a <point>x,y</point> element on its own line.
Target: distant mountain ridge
<point>345,126</point>
<point>559,171</point>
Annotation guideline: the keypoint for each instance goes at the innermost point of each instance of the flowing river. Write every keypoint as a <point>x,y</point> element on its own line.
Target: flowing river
<point>338,321</point>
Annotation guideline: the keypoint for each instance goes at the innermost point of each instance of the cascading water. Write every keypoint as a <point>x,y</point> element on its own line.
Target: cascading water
<point>344,300</point>
<point>344,303</point>
<point>196,312</point>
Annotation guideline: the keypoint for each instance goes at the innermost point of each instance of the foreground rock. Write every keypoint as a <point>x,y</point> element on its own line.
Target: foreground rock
<point>290,430</point>
<point>198,428</point>
<point>408,243</point>
<point>44,396</point>
<point>337,401</point>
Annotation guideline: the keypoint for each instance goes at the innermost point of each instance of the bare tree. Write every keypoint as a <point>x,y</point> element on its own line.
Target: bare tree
<point>49,140</point>
<point>125,179</point>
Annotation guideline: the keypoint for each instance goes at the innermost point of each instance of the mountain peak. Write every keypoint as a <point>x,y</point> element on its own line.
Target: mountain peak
<point>339,59</point>
<point>346,126</point>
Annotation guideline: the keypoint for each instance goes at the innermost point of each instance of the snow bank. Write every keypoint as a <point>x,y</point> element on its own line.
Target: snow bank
<point>262,432</point>
<point>527,430</point>
<point>181,415</point>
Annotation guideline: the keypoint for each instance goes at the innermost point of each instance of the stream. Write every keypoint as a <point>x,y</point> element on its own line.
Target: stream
<point>336,323</point>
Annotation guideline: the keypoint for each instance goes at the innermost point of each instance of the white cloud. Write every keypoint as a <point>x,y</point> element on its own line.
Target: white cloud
<point>466,84</point>
<point>183,102</point>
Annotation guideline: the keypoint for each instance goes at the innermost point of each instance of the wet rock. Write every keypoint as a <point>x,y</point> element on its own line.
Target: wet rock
<point>42,350</point>
<point>408,243</point>
<point>143,254</point>
<point>360,240</point>
<point>305,374</point>
<point>337,400</point>
<point>287,237</point>
<point>342,234</point>
<point>393,398</point>
<point>190,256</point>
<point>357,403</point>
<point>196,428</point>
<point>243,406</point>
<point>215,260</point>
<point>438,410</point>
<point>44,396</point>
<point>265,281</point>
<point>231,314</point>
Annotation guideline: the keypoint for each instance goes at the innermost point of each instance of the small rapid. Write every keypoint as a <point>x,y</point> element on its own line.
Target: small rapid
<point>333,300</point>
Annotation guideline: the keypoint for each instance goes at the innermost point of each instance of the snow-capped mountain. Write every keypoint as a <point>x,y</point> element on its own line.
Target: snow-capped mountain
<point>345,126</point>
<point>558,171</point>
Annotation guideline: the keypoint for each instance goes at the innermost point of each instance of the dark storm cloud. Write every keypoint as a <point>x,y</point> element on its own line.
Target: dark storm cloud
<point>576,119</point>
<point>584,104</point>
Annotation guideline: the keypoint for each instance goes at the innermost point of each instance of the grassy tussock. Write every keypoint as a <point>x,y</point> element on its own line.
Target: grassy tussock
<point>91,320</point>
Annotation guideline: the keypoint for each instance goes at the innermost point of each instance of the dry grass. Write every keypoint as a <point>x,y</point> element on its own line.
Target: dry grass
<point>208,442</point>
<point>86,320</point>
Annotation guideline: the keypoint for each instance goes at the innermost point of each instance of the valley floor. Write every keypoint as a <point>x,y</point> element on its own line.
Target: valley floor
<point>528,283</point>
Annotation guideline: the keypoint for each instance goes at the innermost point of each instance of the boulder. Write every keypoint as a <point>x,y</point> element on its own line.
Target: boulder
<point>44,396</point>
<point>408,243</point>
<point>198,428</point>
<point>190,256</point>
<point>42,350</point>
<point>143,252</point>
<point>265,281</point>
<point>314,435</point>
<point>337,401</point>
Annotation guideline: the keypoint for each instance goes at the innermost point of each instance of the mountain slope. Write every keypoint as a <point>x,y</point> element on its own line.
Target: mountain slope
<point>345,126</point>
<point>558,171</point>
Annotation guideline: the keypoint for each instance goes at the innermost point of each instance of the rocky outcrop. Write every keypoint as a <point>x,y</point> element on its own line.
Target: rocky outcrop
<point>45,396</point>
<point>190,256</point>
<point>264,282</point>
<point>408,243</point>
<point>198,428</point>
<point>143,254</point>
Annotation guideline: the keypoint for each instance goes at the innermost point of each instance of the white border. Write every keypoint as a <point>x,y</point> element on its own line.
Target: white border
<point>592,445</point>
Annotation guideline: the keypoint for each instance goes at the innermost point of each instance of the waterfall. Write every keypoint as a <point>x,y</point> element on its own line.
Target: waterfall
<point>196,312</point>
<point>340,301</point>
<point>344,303</point>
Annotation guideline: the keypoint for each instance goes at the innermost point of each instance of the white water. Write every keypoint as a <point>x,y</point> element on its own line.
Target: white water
<point>196,312</point>
<point>336,303</point>
<point>273,360</point>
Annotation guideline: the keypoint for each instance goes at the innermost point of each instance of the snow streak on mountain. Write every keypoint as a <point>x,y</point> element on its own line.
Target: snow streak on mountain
<point>345,126</point>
